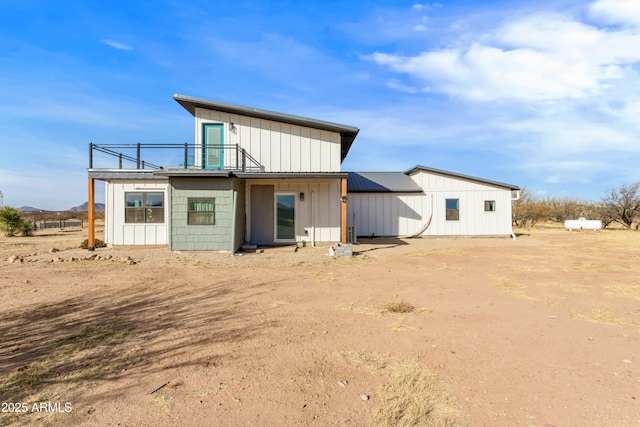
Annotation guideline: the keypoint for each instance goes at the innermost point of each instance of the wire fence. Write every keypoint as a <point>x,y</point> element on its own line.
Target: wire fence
<point>61,224</point>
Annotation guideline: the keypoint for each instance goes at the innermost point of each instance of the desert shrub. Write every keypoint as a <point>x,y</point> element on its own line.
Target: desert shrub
<point>99,244</point>
<point>12,223</point>
<point>26,227</point>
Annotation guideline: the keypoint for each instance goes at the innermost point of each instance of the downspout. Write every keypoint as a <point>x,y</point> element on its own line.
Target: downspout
<point>517,197</point>
<point>233,223</point>
<point>313,223</point>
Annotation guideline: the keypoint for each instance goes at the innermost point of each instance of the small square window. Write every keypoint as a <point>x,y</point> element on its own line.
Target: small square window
<point>489,205</point>
<point>201,211</point>
<point>453,211</point>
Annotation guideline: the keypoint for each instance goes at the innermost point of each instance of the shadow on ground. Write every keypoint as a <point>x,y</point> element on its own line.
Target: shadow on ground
<point>50,348</point>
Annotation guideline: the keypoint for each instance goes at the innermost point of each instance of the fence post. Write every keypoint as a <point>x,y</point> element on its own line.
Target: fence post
<point>186,155</point>
<point>91,155</point>
<point>244,160</point>
<point>120,158</point>
<point>138,156</point>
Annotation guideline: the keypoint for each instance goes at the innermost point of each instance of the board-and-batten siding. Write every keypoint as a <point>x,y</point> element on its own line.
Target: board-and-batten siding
<point>384,214</point>
<point>318,211</point>
<point>401,214</point>
<point>117,232</point>
<point>278,147</point>
<point>474,221</point>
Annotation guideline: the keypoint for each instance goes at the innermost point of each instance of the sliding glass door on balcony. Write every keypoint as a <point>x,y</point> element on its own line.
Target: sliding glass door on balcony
<point>213,140</point>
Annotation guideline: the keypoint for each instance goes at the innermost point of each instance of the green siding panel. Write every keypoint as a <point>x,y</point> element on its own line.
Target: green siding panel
<point>206,237</point>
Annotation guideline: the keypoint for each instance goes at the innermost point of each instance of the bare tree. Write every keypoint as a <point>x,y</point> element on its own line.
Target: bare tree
<point>529,209</point>
<point>563,208</point>
<point>621,205</point>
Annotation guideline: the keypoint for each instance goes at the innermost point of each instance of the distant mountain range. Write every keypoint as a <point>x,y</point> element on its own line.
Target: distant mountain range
<point>99,207</point>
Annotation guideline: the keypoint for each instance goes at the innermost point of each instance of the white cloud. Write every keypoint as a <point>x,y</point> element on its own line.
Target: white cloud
<point>395,84</point>
<point>116,45</point>
<point>536,58</point>
<point>617,11</point>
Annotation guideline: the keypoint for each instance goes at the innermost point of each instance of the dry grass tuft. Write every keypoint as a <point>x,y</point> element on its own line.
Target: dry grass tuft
<point>505,282</point>
<point>625,291</point>
<point>517,293</point>
<point>569,287</point>
<point>597,267</point>
<point>441,251</point>
<point>529,268</point>
<point>599,315</point>
<point>375,363</point>
<point>89,336</point>
<point>515,289</point>
<point>415,397</point>
<point>399,326</point>
<point>399,307</point>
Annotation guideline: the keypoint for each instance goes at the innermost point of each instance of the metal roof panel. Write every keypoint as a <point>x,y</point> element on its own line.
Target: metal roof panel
<point>381,182</point>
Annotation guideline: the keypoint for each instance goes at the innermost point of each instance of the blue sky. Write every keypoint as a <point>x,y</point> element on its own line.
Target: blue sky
<point>540,94</point>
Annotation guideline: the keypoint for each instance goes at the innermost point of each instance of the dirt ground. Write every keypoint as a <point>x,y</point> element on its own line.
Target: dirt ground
<point>541,331</point>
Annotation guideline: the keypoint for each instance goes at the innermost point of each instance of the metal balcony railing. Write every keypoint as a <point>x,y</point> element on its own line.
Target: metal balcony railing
<point>174,156</point>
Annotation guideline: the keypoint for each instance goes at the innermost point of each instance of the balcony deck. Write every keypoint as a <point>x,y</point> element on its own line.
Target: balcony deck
<point>151,157</point>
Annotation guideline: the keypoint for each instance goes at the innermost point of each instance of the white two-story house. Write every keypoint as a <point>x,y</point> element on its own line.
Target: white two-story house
<point>262,178</point>
<point>252,176</point>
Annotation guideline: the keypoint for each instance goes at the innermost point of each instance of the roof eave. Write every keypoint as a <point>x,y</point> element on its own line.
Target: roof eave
<point>458,175</point>
<point>191,103</point>
<point>347,133</point>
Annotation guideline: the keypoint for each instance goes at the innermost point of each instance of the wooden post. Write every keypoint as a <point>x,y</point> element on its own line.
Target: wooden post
<point>91,238</point>
<point>343,199</point>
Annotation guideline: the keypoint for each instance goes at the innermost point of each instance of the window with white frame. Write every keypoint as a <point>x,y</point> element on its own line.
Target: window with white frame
<point>453,209</point>
<point>144,207</point>
<point>489,205</point>
<point>201,211</point>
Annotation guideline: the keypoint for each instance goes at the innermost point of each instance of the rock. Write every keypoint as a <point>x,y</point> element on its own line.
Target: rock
<point>56,259</point>
<point>343,383</point>
<point>52,250</point>
<point>14,258</point>
<point>364,397</point>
